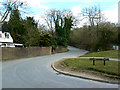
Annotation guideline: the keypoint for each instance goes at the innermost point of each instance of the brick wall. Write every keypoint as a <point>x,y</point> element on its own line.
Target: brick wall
<point>16,53</point>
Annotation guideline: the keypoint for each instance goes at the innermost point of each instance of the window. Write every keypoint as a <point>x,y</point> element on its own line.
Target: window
<point>6,35</point>
<point>0,35</point>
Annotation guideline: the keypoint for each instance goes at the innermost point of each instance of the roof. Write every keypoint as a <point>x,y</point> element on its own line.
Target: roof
<point>3,27</point>
<point>0,27</point>
<point>6,37</point>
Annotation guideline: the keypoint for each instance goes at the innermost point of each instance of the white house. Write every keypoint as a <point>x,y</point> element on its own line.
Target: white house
<point>6,40</point>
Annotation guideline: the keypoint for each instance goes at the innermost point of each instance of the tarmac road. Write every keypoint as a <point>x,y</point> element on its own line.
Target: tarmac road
<point>36,72</point>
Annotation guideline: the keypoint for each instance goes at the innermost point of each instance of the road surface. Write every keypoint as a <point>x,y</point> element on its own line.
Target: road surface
<point>37,73</point>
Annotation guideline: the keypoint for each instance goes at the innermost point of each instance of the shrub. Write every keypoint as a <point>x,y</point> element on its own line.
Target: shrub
<point>45,40</point>
<point>54,43</point>
<point>95,39</point>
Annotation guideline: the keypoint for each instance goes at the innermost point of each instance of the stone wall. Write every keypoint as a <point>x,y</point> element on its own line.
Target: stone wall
<point>60,49</point>
<point>16,53</point>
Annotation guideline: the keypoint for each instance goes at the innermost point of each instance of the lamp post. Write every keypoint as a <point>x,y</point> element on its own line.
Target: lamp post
<point>118,25</point>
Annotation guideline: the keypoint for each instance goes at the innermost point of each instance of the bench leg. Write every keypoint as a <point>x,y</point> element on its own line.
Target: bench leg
<point>104,62</point>
<point>93,62</point>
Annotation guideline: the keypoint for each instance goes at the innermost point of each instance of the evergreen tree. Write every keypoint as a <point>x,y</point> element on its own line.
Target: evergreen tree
<point>32,34</point>
<point>16,27</point>
<point>63,25</point>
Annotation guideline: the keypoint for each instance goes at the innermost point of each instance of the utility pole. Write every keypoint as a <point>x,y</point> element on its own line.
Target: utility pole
<point>119,13</point>
<point>118,25</point>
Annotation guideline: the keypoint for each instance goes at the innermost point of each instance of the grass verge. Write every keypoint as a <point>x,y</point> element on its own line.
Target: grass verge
<point>77,64</point>
<point>110,54</point>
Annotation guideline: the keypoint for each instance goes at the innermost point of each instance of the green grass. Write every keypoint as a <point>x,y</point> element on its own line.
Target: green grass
<point>110,54</point>
<point>68,50</point>
<point>111,67</point>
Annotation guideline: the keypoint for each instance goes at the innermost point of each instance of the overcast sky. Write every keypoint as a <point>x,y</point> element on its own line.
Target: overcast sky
<point>38,7</point>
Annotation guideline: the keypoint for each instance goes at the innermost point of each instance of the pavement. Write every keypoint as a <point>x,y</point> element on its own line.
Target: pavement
<point>36,72</point>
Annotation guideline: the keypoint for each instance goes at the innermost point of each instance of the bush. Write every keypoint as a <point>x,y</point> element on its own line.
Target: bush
<point>45,40</point>
<point>61,41</point>
<point>54,43</point>
<point>95,39</point>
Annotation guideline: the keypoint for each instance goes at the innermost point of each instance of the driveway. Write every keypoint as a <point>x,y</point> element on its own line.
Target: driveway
<point>37,73</point>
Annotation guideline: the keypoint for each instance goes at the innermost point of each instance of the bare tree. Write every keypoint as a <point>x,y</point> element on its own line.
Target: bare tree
<point>9,6</point>
<point>93,14</point>
<point>49,18</point>
<point>52,16</point>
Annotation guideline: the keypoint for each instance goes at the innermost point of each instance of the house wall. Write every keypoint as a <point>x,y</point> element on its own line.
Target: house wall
<point>5,39</point>
<point>16,53</point>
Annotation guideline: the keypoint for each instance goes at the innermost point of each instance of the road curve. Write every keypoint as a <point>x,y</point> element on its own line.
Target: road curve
<point>37,73</point>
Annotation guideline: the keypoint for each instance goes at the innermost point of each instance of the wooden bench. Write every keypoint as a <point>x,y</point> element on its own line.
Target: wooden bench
<point>102,59</point>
